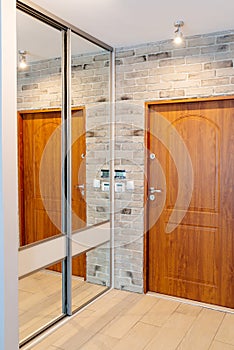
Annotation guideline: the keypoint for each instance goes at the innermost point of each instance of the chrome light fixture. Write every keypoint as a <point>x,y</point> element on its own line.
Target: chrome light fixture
<point>178,33</point>
<point>22,59</point>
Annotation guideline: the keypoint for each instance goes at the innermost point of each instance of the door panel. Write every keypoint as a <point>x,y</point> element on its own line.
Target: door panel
<point>36,131</point>
<point>195,260</point>
<point>40,178</point>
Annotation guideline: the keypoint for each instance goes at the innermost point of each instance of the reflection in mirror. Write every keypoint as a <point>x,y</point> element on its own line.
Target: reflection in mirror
<point>40,170</point>
<point>40,300</point>
<point>39,152</point>
<point>90,160</point>
<point>39,163</point>
<point>39,133</point>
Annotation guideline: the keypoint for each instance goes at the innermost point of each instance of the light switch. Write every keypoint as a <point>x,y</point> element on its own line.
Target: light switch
<point>105,186</point>
<point>96,183</point>
<point>130,185</point>
<point>119,187</point>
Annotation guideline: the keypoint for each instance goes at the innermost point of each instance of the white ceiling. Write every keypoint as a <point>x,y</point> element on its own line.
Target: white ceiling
<point>130,22</point>
<point>122,22</point>
<point>41,41</point>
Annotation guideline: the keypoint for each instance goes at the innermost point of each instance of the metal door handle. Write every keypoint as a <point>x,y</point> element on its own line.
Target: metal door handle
<point>154,190</point>
<point>80,186</point>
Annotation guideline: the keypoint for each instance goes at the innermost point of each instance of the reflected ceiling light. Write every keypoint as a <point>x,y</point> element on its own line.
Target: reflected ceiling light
<point>178,33</point>
<point>22,59</point>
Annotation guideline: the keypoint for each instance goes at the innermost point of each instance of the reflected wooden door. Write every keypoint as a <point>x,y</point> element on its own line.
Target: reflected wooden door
<point>78,184</point>
<point>39,139</point>
<point>196,259</point>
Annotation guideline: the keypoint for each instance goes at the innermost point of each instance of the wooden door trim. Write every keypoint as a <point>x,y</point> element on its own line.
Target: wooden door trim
<point>146,231</point>
<point>47,110</point>
<point>186,100</point>
<point>146,163</point>
<point>20,179</point>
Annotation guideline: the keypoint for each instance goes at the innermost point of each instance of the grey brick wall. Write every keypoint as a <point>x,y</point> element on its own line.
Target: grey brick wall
<point>202,66</point>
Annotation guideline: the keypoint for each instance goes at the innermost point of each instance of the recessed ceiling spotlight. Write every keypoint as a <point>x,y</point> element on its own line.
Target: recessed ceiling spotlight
<point>22,59</point>
<point>178,33</point>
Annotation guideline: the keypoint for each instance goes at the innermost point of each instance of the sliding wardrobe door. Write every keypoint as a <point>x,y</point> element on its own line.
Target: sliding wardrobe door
<point>41,238</point>
<point>90,180</point>
<point>64,175</point>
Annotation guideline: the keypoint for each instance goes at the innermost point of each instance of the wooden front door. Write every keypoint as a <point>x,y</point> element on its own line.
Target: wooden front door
<point>40,167</point>
<point>196,259</point>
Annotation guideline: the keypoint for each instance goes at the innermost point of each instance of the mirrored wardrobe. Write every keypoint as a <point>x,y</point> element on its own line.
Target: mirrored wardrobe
<point>64,150</point>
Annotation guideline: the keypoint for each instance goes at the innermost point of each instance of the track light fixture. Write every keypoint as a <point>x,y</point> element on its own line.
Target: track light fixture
<point>178,33</point>
<point>22,59</point>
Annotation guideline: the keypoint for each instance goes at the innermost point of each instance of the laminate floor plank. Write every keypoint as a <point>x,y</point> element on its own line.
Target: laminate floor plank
<point>216,345</point>
<point>172,332</point>
<point>100,342</point>
<point>203,331</point>
<point>160,312</point>
<point>137,337</point>
<point>226,331</point>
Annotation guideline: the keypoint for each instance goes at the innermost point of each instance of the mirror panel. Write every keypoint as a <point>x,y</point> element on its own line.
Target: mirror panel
<point>39,147</point>
<point>42,294</point>
<point>39,129</point>
<point>90,162</point>
<point>40,300</point>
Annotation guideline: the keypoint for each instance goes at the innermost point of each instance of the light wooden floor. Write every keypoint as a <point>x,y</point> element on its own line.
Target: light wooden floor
<point>40,299</point>
<point>127,321</point>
